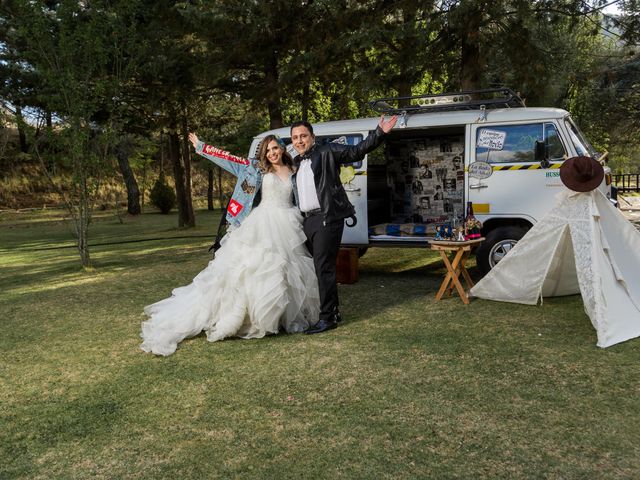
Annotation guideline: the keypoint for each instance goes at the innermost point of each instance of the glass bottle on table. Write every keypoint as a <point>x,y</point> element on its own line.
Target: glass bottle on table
<point>471,224</point>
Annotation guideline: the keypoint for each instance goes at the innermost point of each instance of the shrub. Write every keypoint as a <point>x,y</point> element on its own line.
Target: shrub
<point>162,196</point>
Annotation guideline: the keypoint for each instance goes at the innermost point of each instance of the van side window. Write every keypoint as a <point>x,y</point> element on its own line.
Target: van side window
<point>321,140</point>
<point>510,143</point>
<point>344,140</point>
<point>555,149</point>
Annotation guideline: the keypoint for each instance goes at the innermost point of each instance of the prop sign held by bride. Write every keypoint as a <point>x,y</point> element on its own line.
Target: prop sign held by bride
<point>583,245</point>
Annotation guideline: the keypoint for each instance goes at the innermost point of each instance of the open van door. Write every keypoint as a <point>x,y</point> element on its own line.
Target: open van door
<point>354,181</point>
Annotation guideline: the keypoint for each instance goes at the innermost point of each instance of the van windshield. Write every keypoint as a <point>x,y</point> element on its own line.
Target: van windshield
<point>583,147</point>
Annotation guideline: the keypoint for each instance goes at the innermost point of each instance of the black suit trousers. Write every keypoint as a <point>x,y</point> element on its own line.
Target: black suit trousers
<point>323,242</point>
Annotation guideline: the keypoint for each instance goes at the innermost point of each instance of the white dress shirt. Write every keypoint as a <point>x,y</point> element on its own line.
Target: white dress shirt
<point>307,194</point>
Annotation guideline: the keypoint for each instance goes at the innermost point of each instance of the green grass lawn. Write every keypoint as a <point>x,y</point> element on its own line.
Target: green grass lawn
<point>406,388</point>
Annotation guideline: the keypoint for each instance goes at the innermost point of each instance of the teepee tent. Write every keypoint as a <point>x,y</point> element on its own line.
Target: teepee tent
<point>583,245</point>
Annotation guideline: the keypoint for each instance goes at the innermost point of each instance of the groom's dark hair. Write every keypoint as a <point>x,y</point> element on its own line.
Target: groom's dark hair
<point>302,123</point>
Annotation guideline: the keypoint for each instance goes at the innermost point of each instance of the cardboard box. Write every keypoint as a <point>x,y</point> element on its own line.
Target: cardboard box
<point>347,266</point>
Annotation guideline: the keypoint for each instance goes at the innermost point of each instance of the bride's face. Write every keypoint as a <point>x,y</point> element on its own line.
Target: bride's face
<point>274,153</point>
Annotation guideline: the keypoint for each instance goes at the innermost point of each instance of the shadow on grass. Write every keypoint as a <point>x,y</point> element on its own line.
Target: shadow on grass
<point>45,270</point>
<point>42,425</point>
<point>390,279</point>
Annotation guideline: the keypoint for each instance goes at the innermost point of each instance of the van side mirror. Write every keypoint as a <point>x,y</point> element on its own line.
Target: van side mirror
<point>540,151</point>
<point>540,154</point>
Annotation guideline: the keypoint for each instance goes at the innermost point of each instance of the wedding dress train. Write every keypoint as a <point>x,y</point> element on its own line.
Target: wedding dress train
<point>261,280</point>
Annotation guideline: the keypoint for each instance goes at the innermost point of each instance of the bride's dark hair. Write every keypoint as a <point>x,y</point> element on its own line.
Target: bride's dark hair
<point>263,164</point>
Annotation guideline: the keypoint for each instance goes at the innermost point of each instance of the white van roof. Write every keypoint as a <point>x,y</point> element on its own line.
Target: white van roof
<point>433,119</point>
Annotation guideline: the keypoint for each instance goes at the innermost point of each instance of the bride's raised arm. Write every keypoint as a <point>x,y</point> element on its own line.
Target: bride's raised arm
<point>229,162</point>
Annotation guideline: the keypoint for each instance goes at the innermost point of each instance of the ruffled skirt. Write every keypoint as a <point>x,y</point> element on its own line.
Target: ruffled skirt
<point>261,280</point>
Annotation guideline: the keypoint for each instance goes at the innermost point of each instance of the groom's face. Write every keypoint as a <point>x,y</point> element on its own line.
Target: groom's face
<point>302,139</point>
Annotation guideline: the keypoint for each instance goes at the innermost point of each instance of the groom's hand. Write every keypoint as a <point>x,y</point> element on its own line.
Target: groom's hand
<point>387,126</point>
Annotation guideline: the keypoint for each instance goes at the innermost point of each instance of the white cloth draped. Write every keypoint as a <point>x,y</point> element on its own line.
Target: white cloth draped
<point>583,245</point>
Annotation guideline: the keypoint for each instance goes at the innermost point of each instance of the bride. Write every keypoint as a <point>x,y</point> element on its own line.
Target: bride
<point>262,278</point>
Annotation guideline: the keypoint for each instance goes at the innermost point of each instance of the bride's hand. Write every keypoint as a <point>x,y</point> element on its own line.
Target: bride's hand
<point>193,138</point>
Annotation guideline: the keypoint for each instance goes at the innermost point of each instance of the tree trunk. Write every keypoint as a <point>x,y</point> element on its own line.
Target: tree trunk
<point>404,90</point>
<point>24,148</point>
<point>123,150</point>
<point>406,61</point>
<point>341,100</point>
<point>82,232</point>
<point>190,220</point>
<point>83,212</point>
<point>178,177</point>
<point>210,188</point>
<point>77,198</point>
<point>49,136</point>
<point>161,152</point>
<point>471,61</point>
<point>306,101</point>
<point>273,95</point>
<point>144,185</point>
<point>220,194</point>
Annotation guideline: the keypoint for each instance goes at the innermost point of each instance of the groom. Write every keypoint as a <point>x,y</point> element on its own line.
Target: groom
<point>324,205</point>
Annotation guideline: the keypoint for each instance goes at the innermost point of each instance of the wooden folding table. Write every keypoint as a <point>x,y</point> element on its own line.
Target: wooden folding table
<point>459,252</point>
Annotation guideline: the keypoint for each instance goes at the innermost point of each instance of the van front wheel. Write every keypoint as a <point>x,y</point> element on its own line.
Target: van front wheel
<point>497,244</point>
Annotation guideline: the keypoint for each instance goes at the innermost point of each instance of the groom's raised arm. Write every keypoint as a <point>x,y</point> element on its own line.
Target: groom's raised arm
<point>355,153</point>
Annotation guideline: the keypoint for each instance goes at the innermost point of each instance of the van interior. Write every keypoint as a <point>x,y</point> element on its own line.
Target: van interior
<point>415,183</point>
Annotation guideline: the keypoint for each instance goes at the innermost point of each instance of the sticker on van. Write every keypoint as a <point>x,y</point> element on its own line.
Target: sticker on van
<point>480,170</point>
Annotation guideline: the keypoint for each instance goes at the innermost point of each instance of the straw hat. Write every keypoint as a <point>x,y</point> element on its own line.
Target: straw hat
<point>581,174</point>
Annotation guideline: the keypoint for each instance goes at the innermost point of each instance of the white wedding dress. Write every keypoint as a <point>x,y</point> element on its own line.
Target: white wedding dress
<point>262,279</point>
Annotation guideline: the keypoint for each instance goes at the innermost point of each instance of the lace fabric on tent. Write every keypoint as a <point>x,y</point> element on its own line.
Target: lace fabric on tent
<point>583,245</point>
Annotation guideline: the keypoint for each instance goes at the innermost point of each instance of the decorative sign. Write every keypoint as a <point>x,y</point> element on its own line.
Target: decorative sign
<point>480,170</point>
<point>491,139</point>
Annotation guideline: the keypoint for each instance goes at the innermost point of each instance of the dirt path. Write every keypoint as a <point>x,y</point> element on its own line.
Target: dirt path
<point>630,208</point>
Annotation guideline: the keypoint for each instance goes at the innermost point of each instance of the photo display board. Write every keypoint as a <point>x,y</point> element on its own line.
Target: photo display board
<point>426,177</point>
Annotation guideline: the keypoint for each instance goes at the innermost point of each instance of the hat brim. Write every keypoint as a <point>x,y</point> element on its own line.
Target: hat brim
<point>572,183</point>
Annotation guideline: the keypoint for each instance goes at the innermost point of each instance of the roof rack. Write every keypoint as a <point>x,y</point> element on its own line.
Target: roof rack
<point>468,100</point>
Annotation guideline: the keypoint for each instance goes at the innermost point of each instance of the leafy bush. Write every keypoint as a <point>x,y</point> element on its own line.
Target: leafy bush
<point>162,196</point>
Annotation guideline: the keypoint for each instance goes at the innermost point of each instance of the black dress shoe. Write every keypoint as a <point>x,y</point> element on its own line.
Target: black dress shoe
<point>322,326</point>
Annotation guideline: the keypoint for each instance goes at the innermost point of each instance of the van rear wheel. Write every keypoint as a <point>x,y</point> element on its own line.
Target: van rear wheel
<point>498,242</point>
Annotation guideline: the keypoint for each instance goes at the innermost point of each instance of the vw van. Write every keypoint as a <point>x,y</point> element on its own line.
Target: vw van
<point>485,147</point>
